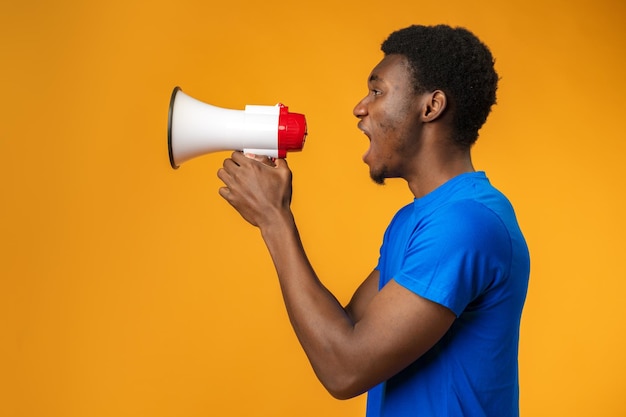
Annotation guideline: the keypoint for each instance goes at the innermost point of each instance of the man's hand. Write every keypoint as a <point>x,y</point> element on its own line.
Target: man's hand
<point>256,186</point>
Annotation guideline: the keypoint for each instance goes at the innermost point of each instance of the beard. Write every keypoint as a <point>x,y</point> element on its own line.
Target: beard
<point>379,176</point>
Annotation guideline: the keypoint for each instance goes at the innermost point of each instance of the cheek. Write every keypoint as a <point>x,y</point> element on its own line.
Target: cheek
<point>387,124</point>
<point>391,132</point>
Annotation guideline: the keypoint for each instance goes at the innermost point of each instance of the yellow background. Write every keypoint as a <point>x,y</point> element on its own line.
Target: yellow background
<point>131,289</point>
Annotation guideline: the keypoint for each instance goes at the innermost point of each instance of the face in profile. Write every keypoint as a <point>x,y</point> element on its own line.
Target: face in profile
<point>389,117</point>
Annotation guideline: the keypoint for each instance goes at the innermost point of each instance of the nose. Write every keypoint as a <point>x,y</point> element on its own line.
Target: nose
<point>360,110</point>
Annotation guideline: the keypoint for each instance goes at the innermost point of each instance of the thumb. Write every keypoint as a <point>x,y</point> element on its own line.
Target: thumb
<point>281,163</point>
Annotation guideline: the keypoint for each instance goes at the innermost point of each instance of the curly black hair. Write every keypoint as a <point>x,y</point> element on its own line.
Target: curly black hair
<point>456,62</point>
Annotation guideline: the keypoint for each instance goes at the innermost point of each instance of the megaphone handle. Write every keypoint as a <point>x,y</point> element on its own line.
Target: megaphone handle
<point>270,153</point>
<point>261,158</point>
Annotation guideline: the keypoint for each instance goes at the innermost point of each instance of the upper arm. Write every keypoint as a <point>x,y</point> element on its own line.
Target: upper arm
<point>362,296</point>
<point>398,327</point>
<point>393,327</point>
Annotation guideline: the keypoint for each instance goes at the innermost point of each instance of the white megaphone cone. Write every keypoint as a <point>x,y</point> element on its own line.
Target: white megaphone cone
<point>196,128</point>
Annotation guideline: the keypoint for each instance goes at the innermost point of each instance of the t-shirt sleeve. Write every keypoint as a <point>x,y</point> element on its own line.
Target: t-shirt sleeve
<point>455,255</point>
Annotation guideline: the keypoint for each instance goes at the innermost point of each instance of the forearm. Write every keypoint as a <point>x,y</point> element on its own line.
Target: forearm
<point>319,321</point>
<point>262,195</point>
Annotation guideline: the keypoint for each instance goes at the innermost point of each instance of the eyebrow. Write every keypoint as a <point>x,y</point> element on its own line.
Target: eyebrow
<point>374,77</point>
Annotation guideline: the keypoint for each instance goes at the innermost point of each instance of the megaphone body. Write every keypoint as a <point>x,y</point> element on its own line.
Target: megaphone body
<point>196,128</point>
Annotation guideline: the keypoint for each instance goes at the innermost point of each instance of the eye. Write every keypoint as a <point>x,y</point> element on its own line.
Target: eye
<point>375,92</point>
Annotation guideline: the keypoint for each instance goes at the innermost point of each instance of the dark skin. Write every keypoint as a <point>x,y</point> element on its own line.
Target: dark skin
<point>379,333</point>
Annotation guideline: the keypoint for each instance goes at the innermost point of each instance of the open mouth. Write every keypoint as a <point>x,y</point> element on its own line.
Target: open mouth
<point>362,129</point>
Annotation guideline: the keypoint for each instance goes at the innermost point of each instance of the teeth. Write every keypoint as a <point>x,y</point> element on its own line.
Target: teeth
<point>362,129</point>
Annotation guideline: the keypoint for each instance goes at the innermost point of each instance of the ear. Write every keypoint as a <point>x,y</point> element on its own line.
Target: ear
<point>434,105</point>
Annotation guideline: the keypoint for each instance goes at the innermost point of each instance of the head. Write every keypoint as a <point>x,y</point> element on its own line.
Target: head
<point>456,62</point>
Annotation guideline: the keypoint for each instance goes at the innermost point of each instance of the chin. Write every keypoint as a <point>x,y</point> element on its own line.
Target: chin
<point>378,177</point>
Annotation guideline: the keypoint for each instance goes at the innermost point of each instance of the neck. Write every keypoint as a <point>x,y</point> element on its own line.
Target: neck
<point>436,168</point>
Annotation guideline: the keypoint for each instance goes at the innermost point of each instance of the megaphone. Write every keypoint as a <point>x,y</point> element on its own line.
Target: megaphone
<point>195,128</point>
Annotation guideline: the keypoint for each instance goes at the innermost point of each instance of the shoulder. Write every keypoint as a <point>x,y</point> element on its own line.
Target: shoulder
<point>464,231</point>
<point>467,217</point>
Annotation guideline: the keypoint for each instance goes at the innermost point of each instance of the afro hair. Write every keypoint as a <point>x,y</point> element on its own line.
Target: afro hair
<point>456,62</point>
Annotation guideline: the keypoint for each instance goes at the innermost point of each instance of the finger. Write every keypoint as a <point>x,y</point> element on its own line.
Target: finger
<point>222,174</point>
<point>224,192</point>
<point>229,162</point>
<point>238,157</point>
<point>226,175</point>
<point>229,166</point>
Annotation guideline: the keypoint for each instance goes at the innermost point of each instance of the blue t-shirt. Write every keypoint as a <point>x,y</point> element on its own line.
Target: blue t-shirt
<point>459,246</point>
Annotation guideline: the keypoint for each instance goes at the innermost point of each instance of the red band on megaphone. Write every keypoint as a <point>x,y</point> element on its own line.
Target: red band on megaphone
<point>292,131</point>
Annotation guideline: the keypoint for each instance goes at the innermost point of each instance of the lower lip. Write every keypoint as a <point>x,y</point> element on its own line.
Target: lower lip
<point>369,147</point>
<point>364,157</point>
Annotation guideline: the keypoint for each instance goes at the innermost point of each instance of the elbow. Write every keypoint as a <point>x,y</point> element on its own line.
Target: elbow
<point>343,395</point>
<point>344,387</point>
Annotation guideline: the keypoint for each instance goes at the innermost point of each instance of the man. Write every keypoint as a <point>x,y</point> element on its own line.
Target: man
<point>434,329</point>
